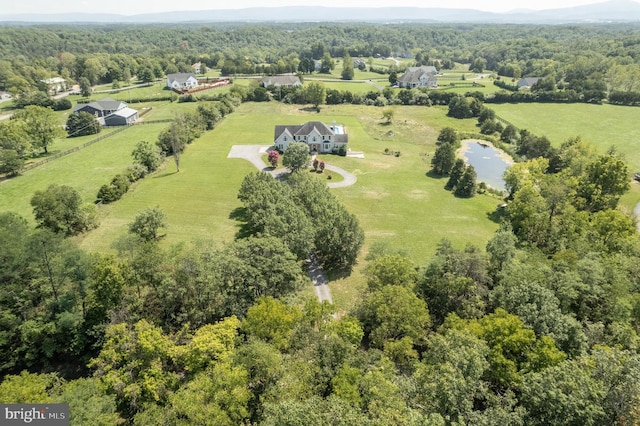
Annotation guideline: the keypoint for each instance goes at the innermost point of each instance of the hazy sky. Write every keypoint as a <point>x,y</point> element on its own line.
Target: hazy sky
<point>132,7</point>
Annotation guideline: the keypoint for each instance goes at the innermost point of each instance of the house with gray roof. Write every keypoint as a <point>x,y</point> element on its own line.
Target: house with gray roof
<point>527,82</point>
<point>182,81</point>
<point>281,81</point>
<point>109,112</point>
<point>424,76</point>
<point>320,137</point>
<point>359,63</point>
<point>100,108</point>
<point>199,68</point>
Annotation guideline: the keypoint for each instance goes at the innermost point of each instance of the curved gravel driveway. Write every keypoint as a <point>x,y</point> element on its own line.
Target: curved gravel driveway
<point>253,154</point>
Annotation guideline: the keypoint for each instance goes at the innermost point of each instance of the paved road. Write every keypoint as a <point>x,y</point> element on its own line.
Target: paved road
<point>319,280</point>
<point>636,210</point>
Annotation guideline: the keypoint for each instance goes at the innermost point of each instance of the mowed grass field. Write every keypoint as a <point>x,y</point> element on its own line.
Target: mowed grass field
<point>603,126</point>
<point>85,170</point>
<point>394,200</point>
<point>393,197</point>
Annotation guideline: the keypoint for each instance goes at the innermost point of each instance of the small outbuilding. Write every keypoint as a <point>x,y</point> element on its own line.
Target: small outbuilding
<point>109,112</point>
<point>122,117</point>
<point>527,82</point>
<point>101,108</point>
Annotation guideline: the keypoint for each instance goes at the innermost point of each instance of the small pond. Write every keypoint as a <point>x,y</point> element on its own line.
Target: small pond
<point>490,163</point>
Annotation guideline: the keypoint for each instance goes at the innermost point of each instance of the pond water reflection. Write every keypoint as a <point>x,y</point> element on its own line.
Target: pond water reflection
<point>490,163</point>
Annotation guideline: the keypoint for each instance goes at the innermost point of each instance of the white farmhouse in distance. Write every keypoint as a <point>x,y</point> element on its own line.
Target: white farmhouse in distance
<point>55,85</point>
<point>182,81</point>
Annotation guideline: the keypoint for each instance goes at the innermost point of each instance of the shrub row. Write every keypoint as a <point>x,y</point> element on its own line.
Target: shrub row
<point>560,96</point>
<point>120,184</point>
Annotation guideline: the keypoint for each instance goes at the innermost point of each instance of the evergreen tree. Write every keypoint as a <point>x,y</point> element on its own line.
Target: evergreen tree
<point>347,67</point>
<point>467,185</point>
<point>456,173</point>
<point>443,159</point>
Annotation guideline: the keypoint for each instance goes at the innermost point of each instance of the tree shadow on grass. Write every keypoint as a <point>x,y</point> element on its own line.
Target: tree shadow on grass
<point>333,275</point>
<point>433,175</point>
<point>164,174</point>
<point>497,216</point>
<point>239,214</point>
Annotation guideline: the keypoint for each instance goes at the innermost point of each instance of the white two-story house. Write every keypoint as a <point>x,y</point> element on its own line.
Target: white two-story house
<point>320,137</point>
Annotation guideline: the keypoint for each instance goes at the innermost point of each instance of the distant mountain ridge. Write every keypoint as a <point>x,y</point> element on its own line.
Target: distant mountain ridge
<point>608,11</point>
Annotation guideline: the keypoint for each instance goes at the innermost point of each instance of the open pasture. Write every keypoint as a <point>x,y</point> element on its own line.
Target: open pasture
<point>353,86</point>
<point>393,198</point>
<point>603,126</point>
<point>85,170</point>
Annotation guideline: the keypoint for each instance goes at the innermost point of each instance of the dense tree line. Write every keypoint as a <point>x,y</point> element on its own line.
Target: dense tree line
<point>541,328</point>
<point>305,215</point>
<point>586,59</point>
<point>527,331</point>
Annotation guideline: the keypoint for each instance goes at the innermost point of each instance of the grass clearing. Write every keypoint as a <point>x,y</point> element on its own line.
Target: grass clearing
<point>601,125</point>
<point>353,86</point>
<point>85,170</point>
<point>393,199</point>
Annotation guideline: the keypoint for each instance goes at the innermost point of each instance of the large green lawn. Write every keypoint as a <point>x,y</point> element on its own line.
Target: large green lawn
<point>354,86</point>
<point>85,170</point>
<point>601,125</point>
<point>394,199</point>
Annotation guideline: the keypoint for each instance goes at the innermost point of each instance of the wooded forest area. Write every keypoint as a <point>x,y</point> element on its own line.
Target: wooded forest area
<point>537,327</point>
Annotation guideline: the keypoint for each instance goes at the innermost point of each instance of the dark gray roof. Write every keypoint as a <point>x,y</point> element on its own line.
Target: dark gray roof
<point>306,128</point>
<point>528,81</point>
<point>110,104</point>
<point>105,104</point>
<point>413,74</point>
<point>280,80</point>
